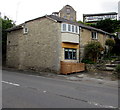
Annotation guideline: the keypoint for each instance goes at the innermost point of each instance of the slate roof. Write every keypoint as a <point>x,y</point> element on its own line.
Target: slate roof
<point>60,20</point>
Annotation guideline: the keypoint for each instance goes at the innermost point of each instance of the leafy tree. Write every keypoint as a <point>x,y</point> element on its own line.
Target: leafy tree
<point>116,47</point>
<point>93,50</point>
<point>108,25</point>
<point>6,23</point>
<point>110,43</point>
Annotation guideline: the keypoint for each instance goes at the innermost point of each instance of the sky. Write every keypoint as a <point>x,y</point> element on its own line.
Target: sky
<point>24,10</point>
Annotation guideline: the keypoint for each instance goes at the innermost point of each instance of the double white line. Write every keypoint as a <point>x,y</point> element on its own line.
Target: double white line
<point>14,84</point>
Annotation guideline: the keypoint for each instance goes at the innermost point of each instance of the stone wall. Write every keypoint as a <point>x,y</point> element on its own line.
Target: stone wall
<point>13,48</point>
<point>40,48</point>
<point>70,16</point>
<point>85,37</point>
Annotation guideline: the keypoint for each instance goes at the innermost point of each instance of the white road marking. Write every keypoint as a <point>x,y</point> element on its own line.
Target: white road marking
<point>14,84</point>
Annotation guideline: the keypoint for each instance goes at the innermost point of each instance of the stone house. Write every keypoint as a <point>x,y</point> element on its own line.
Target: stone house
<point>42,43</point>
<point>67,12</point>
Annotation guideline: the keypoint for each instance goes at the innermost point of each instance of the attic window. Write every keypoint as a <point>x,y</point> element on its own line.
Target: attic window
<point>68,11</point>
<point>25,30</point>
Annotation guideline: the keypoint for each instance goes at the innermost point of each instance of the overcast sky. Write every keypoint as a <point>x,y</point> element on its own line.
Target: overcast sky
<point>23,10</point>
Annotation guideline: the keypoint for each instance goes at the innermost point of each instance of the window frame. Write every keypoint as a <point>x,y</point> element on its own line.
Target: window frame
<point>71,54</point>
<point>94,35</point>
<point>25,30</point>
<point>64,27</point>
<point>69,28</point>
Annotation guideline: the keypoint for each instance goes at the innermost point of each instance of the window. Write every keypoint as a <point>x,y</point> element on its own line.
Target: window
<point>94,35</point>
<point>76,29</point>
<point>70,54</point>
<point>64,27</point>
<point>69,27</point>
<point>68,11</point>
<point>25,30</point>
<point>72,28</point>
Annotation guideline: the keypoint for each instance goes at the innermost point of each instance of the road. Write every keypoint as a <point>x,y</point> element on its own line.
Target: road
<point>31,91</point>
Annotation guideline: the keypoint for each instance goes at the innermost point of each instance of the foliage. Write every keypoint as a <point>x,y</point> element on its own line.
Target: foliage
<point>6,23</point>
<point>108,25</point>
<point>81,22</point>
<point>118,68</point>
<point>93,50</point>
<point>116,47</point>
<point>110,42</point>
<point>87,61</point>
<point>117,71</point>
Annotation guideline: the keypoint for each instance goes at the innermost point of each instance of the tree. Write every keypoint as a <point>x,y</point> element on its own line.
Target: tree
<point>108,25</point>
<point>116,47</point>
<point>6,23</point>
<point>93,50</point>
<point>110,43</point>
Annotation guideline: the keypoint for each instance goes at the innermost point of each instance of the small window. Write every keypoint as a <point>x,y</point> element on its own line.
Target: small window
<point>76,29</point>
<point>25,30</point>
<point>64,27</point>
<point>69,27</point>
<point>72,28</point>
<point>70,54</point>
<point>68,11</point>
<point>94,35</point>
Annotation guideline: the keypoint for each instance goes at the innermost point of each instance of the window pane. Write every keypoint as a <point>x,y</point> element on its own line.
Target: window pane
<point>76,29</point>
<point>69,27</point>
<point>94,35</point>
<point>66,54</point>
<point>72,28</point>
<point>70,54</point>
<point>74,54</point>
<point>64,27</point>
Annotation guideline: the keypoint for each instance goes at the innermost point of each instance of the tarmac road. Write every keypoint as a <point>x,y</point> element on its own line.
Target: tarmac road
<point>31,91</point>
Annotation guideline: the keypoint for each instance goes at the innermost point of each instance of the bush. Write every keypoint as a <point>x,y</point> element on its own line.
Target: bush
<point>93,50</point>
<point>118,68</point>
<point>117,71</point>
<point>87,61</point>
<point>110,42</point>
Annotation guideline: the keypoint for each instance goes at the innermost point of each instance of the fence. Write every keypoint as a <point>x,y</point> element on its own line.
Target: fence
<point>67,67</point>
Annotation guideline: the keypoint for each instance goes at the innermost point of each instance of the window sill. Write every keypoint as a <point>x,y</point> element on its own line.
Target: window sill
<point>69,32</point>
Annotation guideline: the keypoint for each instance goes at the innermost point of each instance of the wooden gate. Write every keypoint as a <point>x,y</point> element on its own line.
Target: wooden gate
<point>69,67</point>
